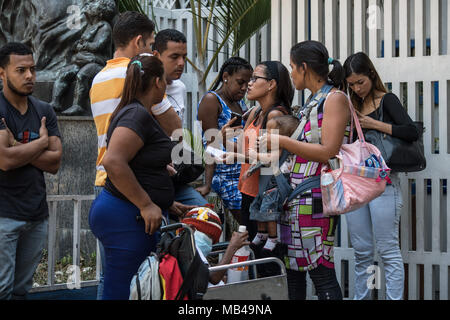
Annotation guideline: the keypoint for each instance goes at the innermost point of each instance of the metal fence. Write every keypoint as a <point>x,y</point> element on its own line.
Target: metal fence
<point>74,281</point>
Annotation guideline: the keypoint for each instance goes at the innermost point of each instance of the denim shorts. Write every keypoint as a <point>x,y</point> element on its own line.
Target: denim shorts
<point>267,207</point>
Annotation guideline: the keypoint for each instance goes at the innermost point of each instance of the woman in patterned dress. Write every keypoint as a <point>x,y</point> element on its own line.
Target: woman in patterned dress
<point>214,111</point>
<point>306,233</point>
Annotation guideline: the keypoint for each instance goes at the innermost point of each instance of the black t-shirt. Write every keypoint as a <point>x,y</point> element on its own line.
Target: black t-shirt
<point>149,164</point>
<point>22,190</point>
<point>395,114</point>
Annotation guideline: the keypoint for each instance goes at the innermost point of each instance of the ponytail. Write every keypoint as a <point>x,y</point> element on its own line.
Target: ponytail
<point>141,75</point>
<point>316,56</point>
<point>337,75</point>
<point>132,84</point>
<point>275,70</point>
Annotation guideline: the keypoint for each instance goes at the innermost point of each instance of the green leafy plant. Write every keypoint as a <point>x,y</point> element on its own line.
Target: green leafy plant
<point>129,5</point>
<point>236,21</point>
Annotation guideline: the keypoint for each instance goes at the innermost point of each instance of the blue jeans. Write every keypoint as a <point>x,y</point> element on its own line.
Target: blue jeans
<point>189,196</point>
<point>184,194</point>
<point>378,219</point>
<point>113,222</point>
<point>97,191</point>
<point>21,245</point>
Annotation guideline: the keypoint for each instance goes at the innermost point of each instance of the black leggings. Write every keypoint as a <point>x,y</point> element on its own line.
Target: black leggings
<point>252,227</point>
<point>324,280</point>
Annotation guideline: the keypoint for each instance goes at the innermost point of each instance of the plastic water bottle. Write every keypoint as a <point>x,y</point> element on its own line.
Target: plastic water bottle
<point>241,255</point>
<point>326,179</point>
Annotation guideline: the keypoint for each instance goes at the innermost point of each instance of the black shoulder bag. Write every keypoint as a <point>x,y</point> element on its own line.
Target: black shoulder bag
<point>400,155</point>
<point>187,172</point>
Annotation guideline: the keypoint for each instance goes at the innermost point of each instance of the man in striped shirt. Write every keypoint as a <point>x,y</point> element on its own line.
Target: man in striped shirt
<point>133,34</point>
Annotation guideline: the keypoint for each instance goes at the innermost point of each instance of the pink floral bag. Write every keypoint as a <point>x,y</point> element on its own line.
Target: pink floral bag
<point>361,176</point>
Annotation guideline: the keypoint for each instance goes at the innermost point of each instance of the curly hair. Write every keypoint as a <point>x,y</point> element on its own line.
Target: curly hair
<point>231,66</point>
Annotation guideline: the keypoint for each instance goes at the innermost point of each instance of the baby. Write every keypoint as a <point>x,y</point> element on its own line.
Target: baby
<point>267,208</point>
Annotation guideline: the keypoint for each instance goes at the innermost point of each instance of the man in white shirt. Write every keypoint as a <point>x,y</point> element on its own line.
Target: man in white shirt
<point>171,47</point>
<point>176,94</point>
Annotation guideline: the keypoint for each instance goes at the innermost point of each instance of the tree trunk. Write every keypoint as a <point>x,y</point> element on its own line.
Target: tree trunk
<point>200,74</point>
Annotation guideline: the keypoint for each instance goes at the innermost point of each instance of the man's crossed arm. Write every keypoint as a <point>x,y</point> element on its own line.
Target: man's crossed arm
<point>44,153</point>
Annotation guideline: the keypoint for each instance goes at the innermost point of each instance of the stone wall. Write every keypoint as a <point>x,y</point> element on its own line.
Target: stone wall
<point>76,176</point>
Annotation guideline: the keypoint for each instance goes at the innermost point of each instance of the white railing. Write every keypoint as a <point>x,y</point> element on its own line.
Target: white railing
<point>419,73</point>
<point>75,276</point>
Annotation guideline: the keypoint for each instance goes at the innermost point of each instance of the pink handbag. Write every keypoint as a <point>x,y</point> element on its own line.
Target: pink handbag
<point>361,177</point>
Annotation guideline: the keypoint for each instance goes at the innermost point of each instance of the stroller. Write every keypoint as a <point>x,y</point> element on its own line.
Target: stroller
<point>176,272</point>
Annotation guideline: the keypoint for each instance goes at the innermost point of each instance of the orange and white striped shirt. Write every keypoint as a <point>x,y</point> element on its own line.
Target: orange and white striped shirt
<point>105,94</point>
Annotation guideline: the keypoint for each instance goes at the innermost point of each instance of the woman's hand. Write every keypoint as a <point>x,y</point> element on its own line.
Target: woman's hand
<point>366,122</point>
<point>204,190</point>
<point>171,170</point>
<point>252,155</point>
<point>152,216</point>
<point>180,209</point>
<point>231,158</point>
<point>228,131</point>
<point>269,141</point>
<point>270,157</point>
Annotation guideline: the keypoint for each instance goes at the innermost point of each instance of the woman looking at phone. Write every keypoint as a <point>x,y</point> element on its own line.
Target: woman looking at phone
<point>216,109</point>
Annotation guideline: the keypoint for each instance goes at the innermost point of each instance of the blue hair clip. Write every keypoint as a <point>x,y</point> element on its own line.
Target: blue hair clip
<point>139,65</point>
<point>330,60</point>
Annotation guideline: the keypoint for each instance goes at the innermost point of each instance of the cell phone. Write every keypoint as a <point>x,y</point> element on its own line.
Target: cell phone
<point>238,121</point>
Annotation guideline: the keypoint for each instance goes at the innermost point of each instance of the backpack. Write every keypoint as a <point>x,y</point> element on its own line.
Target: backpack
<point>174,272</point>
<point>194,272</point>
<point>171,278</point>
<point>146,284</point>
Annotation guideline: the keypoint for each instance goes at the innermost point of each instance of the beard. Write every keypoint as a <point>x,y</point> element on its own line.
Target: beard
<point>17,91</point>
